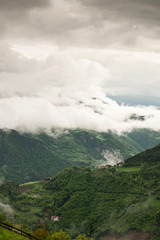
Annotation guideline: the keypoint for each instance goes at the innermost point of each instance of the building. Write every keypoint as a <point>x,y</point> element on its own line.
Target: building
<point>47,179</point>
<point>55,218</point>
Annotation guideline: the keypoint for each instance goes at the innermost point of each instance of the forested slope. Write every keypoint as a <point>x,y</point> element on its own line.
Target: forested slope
<point>31,157</point>
<point>25,158</point>
<point>150,157</point>
<point>94,202</point>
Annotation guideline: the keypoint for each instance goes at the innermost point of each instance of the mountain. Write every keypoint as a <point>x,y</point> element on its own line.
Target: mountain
<point>86,147</point>
<point>25,158</point>
<point>146,138</point>
<point>31,157</point>
<point>101,201</point>
<point>28,157</point>
<point>150,157</point>
<point>95,202</point>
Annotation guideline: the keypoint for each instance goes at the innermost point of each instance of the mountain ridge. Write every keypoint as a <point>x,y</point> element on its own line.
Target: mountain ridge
<point>30,157</point>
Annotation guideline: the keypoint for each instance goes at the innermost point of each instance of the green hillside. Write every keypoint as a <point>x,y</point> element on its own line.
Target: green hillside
<point>24,158</point>
<point>88,201</point>
<point>28,157</point>
<point>146,138</point>
<point>87,148</point>
<point>7,235</point>
<point>112,200</point>
<point>150,157</point>
<point>94,202</point>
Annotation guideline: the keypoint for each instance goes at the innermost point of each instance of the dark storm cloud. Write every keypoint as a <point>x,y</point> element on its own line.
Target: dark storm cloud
<point>15,17</point>
<point>145,11</point>
<point>121,4</point>
<point>124,23</point>
<point>11,5</point>
<point>89,23</point>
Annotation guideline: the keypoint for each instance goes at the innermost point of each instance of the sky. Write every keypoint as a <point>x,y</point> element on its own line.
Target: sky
<point>79,64</point>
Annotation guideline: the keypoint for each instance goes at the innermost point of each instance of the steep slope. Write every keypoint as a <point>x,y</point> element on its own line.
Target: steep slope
<point>117,199</point>
<point>105,200</point>
<point>150,156</point>
<point>92,201</point>
<point>89,147</point>
<point>28,157</point>
<point>146,138</point>
<point>7,235</point>
<point>24,158</point>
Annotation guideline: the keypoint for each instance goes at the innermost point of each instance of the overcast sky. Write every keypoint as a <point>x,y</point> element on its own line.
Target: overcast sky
<point>59,59</point>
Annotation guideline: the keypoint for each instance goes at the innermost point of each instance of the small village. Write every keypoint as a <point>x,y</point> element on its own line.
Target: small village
<point>101,167</point>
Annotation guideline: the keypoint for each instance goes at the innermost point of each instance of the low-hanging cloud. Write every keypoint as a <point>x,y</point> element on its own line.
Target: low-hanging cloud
<point>112,157</point>
<point>63,92</point>
<point>6,209</point>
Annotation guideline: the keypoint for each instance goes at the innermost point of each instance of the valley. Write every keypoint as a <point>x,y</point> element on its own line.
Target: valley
<point>98,202</point>
<point>27,157</point>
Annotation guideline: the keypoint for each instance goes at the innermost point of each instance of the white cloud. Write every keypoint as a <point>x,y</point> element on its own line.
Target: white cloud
<point>7,209</point>
<point>94,48</point>
<point>112,157</point>
<point>63,92</point>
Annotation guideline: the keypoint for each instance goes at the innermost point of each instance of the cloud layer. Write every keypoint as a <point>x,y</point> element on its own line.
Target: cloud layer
<point>94,48</point>
<point>63,92</point>
<point>117,24</point>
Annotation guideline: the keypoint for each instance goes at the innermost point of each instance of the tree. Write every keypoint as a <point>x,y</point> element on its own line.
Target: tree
<point>157,226</point>
<point>2,217</point>
<point>41,233</point>
<point>60,236</point>
<point>81,237</point>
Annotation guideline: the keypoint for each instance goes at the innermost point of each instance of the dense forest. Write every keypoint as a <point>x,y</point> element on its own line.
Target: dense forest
<point>32,157</point>
<point>91,202</point>
<point>86,202</point>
